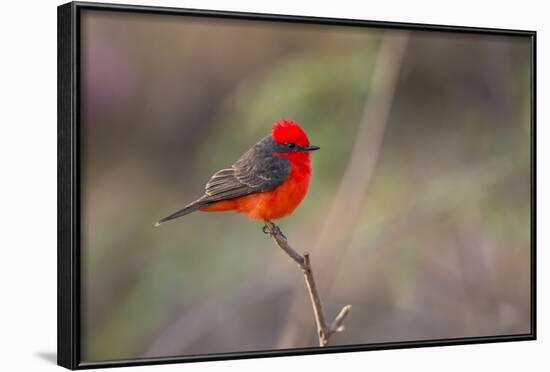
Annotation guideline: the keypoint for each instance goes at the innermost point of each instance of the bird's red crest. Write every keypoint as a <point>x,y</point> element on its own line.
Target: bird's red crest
<point>285,131</point>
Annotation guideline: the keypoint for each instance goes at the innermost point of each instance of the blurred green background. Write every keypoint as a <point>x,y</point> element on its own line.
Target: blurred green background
<point>419,208</point>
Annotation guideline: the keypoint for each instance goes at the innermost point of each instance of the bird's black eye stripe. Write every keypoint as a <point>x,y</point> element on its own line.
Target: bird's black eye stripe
<point>291,145</point>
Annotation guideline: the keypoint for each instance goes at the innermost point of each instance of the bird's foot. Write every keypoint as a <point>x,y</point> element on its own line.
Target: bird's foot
<point>273,230</point>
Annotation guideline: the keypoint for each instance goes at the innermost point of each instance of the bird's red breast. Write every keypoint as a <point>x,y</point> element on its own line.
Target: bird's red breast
<point>277,203</point>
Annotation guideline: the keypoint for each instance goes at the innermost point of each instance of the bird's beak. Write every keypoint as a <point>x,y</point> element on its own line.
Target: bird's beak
<point>311,148</point>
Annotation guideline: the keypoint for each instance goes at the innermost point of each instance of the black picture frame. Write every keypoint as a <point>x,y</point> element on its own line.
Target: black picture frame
<point>68,321</point>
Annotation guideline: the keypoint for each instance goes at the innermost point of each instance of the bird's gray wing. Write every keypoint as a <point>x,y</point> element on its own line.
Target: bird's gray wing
<point>258,170</point>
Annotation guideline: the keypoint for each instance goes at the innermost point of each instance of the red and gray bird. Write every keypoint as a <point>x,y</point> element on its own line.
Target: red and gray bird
<point>267,183</point>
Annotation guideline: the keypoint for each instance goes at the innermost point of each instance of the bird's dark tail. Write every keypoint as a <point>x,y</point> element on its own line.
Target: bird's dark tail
<point>192,207</point>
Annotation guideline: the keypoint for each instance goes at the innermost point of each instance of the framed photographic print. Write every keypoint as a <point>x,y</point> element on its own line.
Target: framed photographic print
<point>236,185</point>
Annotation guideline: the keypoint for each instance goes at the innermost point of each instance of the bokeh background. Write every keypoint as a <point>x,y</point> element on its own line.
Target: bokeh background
<point>418,213</point>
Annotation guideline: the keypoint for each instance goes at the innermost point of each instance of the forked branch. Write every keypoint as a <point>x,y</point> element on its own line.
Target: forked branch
<point>324,330</point>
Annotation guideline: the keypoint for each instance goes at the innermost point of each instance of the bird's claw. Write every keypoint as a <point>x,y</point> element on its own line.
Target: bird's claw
<point>273,230</point>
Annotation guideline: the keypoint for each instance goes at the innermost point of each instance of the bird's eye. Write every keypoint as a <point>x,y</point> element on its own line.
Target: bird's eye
<point>291,145</point>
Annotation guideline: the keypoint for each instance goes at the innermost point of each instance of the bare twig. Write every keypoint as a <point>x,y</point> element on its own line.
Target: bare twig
<point>324,330</point>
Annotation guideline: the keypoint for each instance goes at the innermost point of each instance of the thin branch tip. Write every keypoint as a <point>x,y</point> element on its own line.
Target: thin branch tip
<point>324,332</point>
